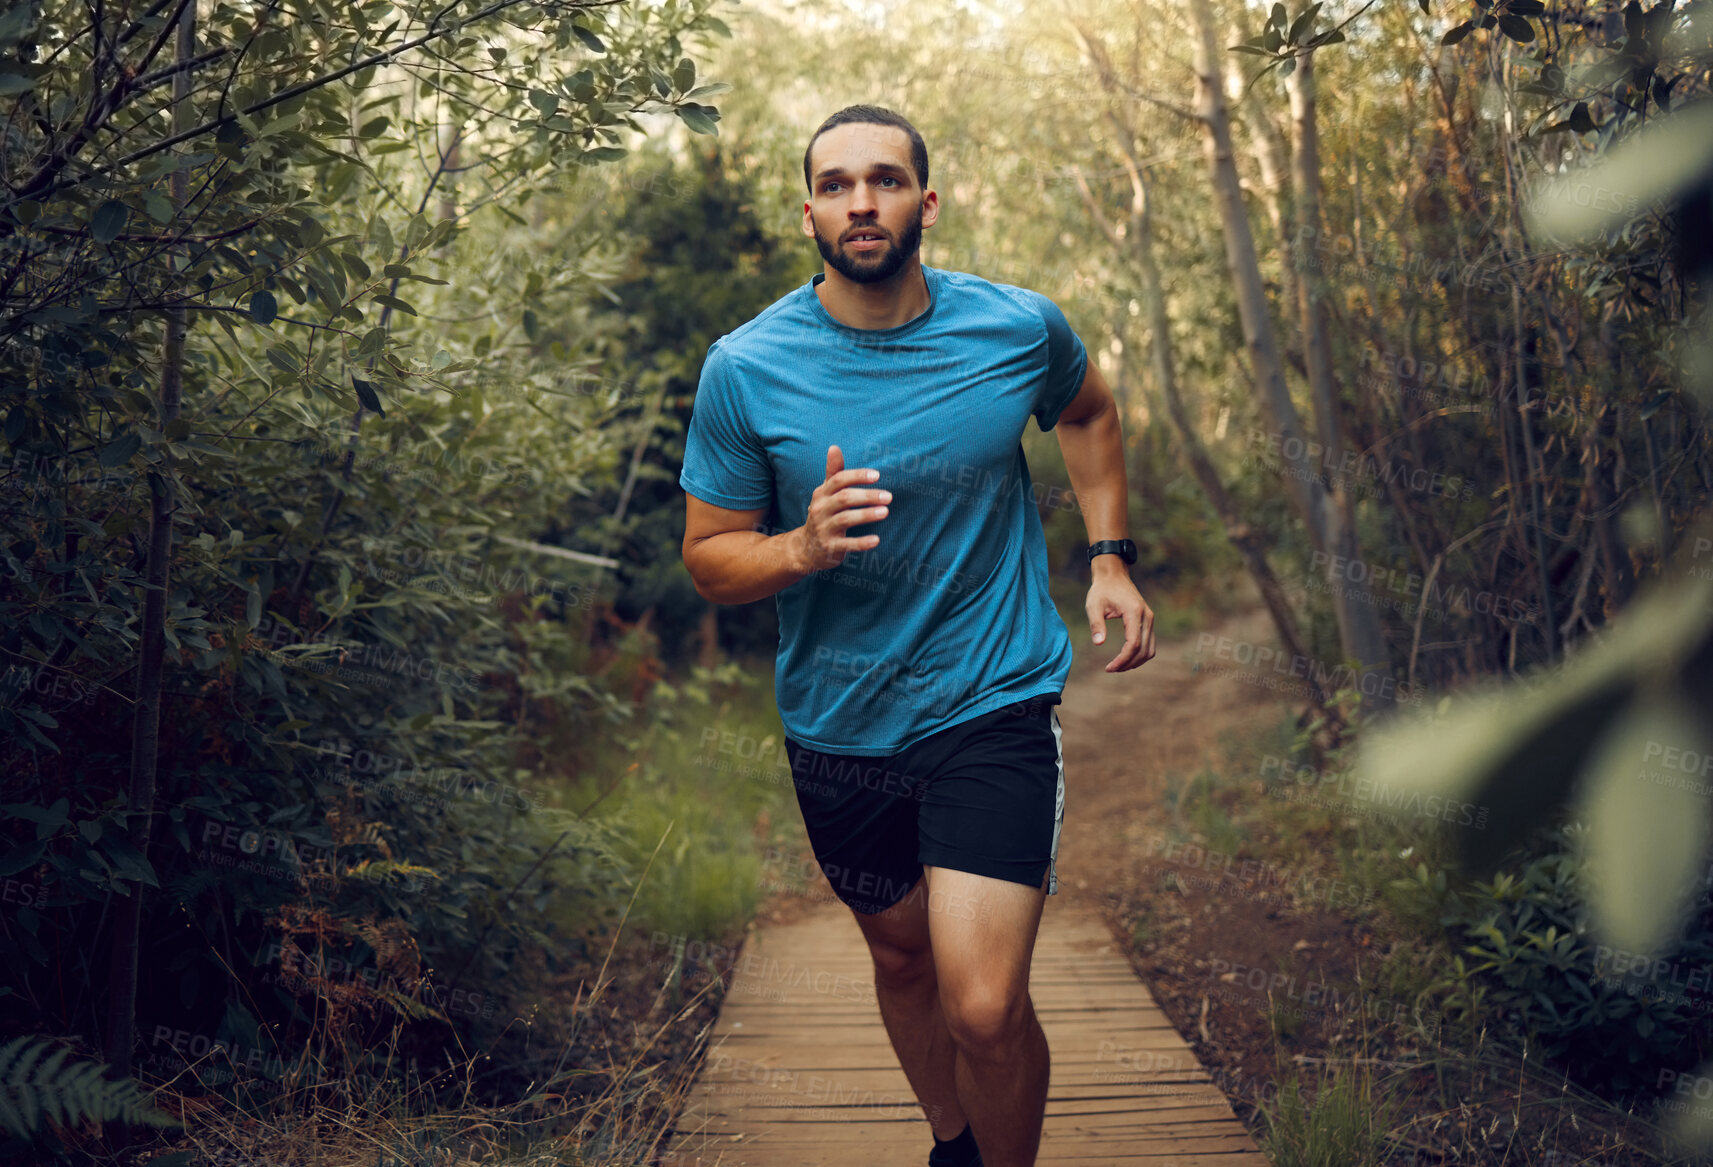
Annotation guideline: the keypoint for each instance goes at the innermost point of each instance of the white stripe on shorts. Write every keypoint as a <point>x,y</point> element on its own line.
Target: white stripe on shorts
<point>1058,806</point>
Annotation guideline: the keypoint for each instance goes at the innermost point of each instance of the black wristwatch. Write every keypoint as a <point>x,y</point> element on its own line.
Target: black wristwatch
<point>1122,548</point>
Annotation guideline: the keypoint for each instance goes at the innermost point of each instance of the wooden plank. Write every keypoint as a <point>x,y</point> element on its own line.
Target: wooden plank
<point>800,1072</point>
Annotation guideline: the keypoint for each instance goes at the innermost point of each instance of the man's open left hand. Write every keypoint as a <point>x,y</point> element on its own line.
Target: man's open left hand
<point>1114,596</point>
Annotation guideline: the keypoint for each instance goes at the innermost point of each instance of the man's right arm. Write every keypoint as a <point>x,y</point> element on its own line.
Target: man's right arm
<point>731,560</point>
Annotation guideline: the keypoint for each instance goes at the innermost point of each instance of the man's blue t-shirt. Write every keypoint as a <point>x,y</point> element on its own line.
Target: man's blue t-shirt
<point>949,617</point>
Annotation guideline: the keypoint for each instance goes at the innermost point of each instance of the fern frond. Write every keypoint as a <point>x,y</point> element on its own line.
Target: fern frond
<point>65,1092</point>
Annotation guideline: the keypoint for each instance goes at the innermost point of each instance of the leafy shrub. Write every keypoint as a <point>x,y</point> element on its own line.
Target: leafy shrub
<point>1529,966</point>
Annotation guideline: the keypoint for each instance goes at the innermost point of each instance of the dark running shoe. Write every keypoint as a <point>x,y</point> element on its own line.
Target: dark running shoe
<point>957,1152</point>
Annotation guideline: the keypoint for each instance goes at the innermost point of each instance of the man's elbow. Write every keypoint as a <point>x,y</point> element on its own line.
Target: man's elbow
<point>1106,413</point>
<point>698,580</point>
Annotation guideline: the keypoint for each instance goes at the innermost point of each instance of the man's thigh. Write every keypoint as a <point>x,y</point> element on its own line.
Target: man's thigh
<point>982,931</point>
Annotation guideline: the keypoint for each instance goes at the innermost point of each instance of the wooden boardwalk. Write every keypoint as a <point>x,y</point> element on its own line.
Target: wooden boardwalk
<point>800,1073</point>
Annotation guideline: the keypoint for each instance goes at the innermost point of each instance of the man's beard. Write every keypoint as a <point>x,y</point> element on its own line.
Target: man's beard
<point>872,271</point>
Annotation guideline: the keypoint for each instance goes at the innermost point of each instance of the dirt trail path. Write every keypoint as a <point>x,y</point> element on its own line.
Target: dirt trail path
<point>1125,732</point>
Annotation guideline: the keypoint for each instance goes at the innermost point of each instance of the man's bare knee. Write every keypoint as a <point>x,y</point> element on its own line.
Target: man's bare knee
<point>985,1018</point>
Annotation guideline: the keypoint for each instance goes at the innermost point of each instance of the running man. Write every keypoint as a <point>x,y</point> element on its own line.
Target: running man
<point>855,451</point>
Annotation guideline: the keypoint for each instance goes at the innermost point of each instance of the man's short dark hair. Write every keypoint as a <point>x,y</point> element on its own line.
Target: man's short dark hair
<point>877,116</point>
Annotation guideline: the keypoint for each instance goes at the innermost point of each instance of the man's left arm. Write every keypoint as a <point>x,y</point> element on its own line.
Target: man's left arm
<point>1093,446</point>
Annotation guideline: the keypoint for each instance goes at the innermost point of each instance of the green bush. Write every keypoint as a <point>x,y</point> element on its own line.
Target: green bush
<point>1527,966</point>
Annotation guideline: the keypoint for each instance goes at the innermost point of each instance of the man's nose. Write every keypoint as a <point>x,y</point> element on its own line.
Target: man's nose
<point>862,200</point>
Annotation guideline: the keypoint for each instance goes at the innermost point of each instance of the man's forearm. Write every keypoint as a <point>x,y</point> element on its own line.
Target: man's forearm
<point>1094,458</point>
<point>740,567</point>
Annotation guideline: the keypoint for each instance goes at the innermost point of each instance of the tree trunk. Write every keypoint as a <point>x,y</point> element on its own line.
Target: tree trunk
<point>1245,538</point>
<point>1327,534</point>
<point>1360,631</point>
<point>157,577</point>
<point>1267,370</point>
<point>708,655</point>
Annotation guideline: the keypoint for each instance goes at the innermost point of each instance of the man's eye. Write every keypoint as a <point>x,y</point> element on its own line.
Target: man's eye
<point>893,181</point>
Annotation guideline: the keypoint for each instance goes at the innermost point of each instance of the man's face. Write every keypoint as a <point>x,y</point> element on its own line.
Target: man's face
<point>865,209</point>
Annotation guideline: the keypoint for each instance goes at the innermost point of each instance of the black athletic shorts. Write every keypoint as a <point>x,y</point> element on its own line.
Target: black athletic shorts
<point>986,796</point>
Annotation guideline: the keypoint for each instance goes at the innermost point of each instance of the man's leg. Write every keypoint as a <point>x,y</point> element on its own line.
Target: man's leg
<point>909,997</point>
<point>983,935</point>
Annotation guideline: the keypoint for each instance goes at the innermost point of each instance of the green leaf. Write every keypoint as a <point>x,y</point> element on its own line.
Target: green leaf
<point>1278,16</point>
<point>684,75</point>
<point>160,207</point>
<point>253,605</point>
<point>711,90</point>
<point>108,221</point>
<point>1289,67</point>
<point>366,394</point>
<point>373,129</point>
<point>1517,28</point>
<point>1526,7</point>
<point>11,83</point>
<point>547,103</point>
<point>119,450</point>
<point>263,306</point>
<point>1302,23</point>
<point>1331,36</point>
<point>604,154</point>
<point>1648,831</point>
<point>698,121</point>
<point>395,303</point>
<point>1250,49</point>
<point>588,38</point>
<point>1457,33</point>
